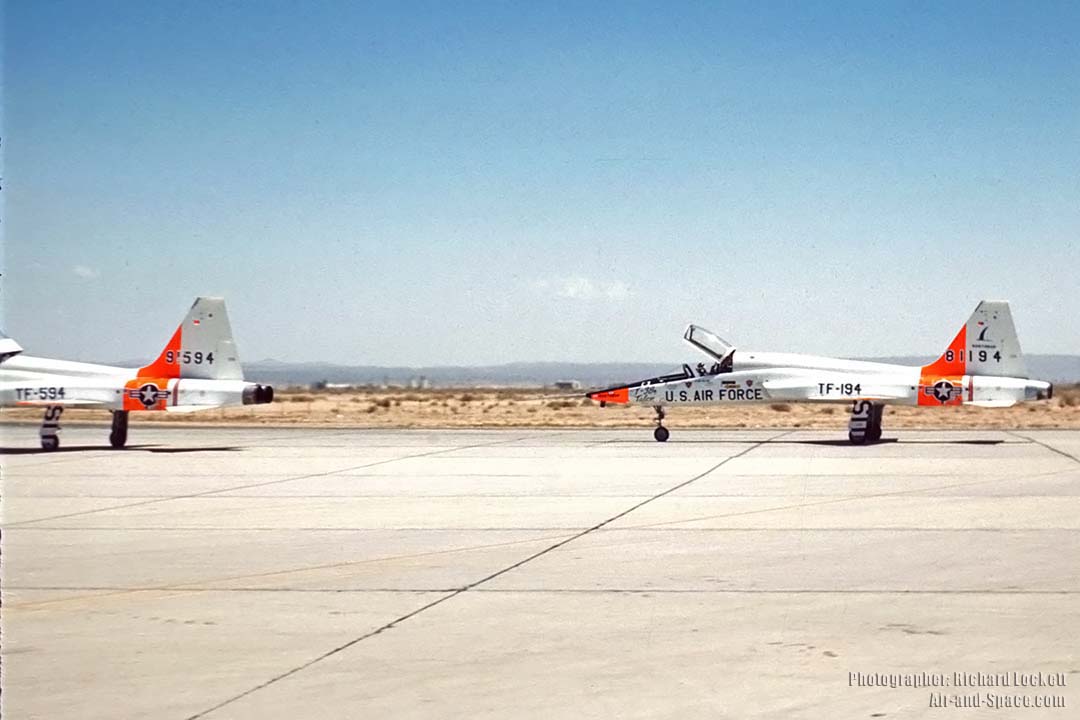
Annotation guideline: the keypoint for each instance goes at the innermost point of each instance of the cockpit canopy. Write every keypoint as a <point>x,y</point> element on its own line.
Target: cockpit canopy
<point>8,347</point>
<point>710,343</point>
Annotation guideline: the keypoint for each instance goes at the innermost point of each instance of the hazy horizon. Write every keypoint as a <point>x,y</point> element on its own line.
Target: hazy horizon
<point>1054,368</point>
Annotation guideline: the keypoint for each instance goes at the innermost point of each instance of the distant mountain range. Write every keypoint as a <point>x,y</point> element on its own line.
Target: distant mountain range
<point>1055,368</point>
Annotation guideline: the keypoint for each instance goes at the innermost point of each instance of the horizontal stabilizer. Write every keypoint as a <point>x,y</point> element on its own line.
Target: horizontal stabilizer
<point>181,409</point>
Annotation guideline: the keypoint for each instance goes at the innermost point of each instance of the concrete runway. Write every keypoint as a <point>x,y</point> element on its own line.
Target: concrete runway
<point>254,573</point>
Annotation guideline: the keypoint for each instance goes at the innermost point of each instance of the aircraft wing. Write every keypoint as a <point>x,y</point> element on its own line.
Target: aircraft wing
<point>64,403</point>
<point>811,389</point>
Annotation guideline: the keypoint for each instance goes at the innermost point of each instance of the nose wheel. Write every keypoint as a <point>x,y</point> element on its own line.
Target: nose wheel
<point>660,433</point>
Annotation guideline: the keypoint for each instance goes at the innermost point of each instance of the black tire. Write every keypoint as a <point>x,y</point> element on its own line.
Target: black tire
<point>857,438</point>
<point>661,434</point>
<point>118,436</point>
<point>874,431</point>
<point>50,442</point>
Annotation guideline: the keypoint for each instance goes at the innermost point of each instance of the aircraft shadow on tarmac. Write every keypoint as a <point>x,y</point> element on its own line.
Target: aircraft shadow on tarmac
<point>829,443</point>
<point>129,448</point>
<point>883,441</point>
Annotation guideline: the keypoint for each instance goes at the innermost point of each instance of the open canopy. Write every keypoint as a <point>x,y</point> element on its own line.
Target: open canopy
<point>8,347</point>
<point>709,343</point>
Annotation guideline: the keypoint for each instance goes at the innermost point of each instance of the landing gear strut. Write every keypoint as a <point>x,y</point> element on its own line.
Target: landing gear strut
<point>865,422</point>
<point>118,436</point>
<point>50,426</point>
<point>660,433</point>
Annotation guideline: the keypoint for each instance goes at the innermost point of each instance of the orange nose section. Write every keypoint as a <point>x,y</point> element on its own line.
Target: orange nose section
<point>618,395</point>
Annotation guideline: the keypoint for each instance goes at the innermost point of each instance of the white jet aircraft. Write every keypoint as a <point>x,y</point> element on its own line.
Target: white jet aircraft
<point>982,366</point>
<point>197,370</point>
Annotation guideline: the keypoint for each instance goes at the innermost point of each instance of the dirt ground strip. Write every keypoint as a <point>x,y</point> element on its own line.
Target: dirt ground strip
<point>485,407</point>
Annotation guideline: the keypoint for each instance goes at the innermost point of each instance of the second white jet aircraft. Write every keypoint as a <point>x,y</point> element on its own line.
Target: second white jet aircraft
<point>198,369</point>
<point>982,366</point>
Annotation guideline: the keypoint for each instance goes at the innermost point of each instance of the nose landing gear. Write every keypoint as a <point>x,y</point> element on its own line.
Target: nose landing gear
<point>660,433</point>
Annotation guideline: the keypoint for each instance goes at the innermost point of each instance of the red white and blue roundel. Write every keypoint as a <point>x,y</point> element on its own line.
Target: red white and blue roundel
<point>148,394</point>
<point>143,394</point>
<point>943,391</point>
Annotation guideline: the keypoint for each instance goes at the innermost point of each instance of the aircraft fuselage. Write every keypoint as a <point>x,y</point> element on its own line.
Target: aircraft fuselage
<point>982,366</point>
<point>32,381</point>
<point>844,382</point>
<point>197,369</point>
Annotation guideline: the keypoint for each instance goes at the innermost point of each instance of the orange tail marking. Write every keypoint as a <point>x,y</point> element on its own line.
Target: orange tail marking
<point>147,393</point>
<point>168,363</point>
<point>941,382</point>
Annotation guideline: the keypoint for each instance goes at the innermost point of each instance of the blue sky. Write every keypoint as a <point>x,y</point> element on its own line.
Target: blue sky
<point>466,183</point>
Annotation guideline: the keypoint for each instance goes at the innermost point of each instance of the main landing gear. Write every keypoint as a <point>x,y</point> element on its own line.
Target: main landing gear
<point>865,422</point>
<point>118,435</point>
<point>50,427</point>
<point>660,433</point>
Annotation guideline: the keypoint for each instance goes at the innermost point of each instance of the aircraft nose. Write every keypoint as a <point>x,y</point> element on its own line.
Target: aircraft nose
<point>614,395</point>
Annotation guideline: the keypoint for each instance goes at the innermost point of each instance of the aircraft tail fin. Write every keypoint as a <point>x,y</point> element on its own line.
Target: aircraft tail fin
<point>986,345</point>
<point>202,346</point>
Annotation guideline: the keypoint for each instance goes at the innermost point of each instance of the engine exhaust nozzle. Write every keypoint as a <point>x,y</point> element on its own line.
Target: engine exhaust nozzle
<point>258,394</point>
